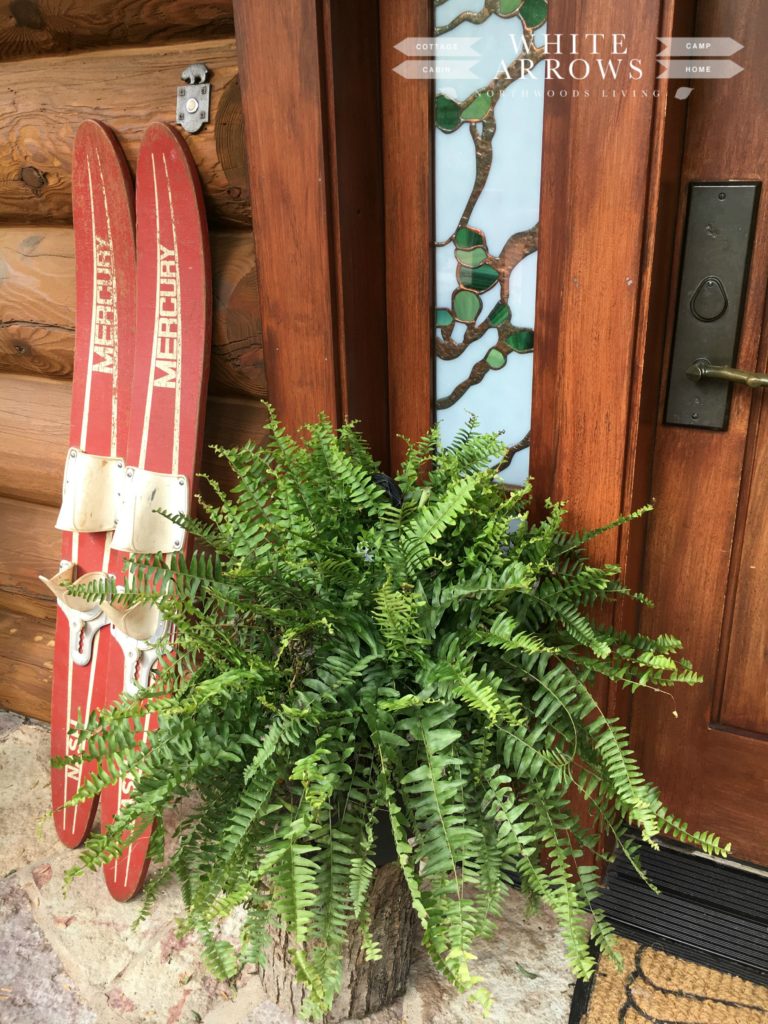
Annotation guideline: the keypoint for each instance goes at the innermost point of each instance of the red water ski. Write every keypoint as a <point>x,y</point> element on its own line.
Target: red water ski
<point>170,375</point>
<point>102,207</point>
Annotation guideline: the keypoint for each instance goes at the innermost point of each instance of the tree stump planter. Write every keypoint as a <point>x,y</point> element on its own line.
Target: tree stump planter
<point>367,986</point>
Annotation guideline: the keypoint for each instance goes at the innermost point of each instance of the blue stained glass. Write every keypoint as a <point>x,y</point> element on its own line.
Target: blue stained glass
<point>488,133</point>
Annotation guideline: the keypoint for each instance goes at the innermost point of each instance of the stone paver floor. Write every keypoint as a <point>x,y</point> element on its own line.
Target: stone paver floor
<point>76,958</point>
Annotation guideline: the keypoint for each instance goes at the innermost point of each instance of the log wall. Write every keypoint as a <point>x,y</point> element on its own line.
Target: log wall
<point>36,27</point>
<point>120,63</point>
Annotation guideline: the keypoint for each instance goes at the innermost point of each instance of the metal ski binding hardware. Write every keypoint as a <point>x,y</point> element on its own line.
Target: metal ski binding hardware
<point>91,495</point>
<point>85,620</point>
<point>138,629</point>
<point>91,492</point>
<point>140,528</point>
<point>193,101</point>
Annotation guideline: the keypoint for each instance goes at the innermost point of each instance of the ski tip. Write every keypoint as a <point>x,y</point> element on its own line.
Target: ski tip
<point>92,134</point>
<point>95,137</point>
<point>74,827</point>
<point>92,127</point>
<point>123,880</point>
<point>160,130</point>
<point>124,876</point>
<point>163,139</point>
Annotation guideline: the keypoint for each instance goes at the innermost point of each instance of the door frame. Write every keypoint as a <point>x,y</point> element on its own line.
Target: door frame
<point>614,166</point>
<point>311,111</point>
<point>610,193</point>
<point>604,293</point>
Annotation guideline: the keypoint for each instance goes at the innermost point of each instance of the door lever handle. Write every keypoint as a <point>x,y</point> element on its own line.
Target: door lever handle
<point>702,370</point>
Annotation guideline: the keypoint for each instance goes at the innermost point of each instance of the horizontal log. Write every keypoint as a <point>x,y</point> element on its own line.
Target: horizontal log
<point>37,607</point>
<point>26,663</point>
<point>29,545</point>
<point>37,296</point>
<point>34,435</point>
<point>45,98</point>
<point>37,315</point>
<point>237,355</point>
<point>230,422</point>
<point>30,27</point>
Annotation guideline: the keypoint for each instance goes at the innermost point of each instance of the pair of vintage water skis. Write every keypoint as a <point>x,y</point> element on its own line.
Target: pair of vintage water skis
<point>140,377</point>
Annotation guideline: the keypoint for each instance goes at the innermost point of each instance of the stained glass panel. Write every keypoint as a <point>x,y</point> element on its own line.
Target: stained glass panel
<point>488,131</point>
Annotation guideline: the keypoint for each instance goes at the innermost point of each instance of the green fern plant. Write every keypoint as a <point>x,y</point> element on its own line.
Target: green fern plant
<point>345,648</point>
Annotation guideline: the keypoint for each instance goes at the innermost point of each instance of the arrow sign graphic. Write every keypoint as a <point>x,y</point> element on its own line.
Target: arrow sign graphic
<point>699,46</point>
<point>428,46</point>
<point>697,68</point>
<point>455,69</point>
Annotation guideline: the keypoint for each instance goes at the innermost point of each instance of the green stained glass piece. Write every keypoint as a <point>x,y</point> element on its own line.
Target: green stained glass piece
<point>478,108</point>
<point>466,305</point>
<point>534,12</point>
<point>467,238</point>
<point>443,318</point>
<point>500,314</point>
<point>479,279</point>
<point>520,341</point>
<point>471,257</point>
<point>507,7</point>
<point>447,113</point>
<point>495,359</point>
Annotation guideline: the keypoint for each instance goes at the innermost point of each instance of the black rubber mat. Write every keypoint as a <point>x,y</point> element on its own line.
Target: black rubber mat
<point>709,912</point>
<point>582,990</point>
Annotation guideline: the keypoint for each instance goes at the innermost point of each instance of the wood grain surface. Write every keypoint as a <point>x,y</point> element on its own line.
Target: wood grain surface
<point>588,289</point>
<point>357,215</point>
<point>126,73</point>
<point>292,213</point>
<point>407,153</point>
<point>37,300</point>
<point>31,545</point>
<point>37,27</point>
<point>707,552</point>
<point>597,242</point>
<point>26,662</point>
<point>45,98</point>
<point>37,314</point>
<point>316,188</point>
<point>34,426</point>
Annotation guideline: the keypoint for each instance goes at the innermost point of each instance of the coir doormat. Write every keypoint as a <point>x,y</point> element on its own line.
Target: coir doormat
<point>656,988</point>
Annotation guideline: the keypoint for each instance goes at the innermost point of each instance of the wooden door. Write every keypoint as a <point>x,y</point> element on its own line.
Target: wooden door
<point>706,560</point>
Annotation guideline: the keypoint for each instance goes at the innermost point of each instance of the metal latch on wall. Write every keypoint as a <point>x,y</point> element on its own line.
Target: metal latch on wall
<point>193,100</point>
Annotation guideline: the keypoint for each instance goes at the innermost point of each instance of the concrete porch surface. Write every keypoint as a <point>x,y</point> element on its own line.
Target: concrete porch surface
<point>76,959</point>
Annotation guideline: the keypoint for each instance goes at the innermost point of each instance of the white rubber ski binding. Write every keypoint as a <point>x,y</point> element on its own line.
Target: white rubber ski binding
<point>85,620</point>
<point>90,495</point>
<point>138,629</point>
<point>140,528</point>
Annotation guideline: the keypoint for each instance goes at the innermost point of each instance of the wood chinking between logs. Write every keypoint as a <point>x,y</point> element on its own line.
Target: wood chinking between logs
<point>126,88</point>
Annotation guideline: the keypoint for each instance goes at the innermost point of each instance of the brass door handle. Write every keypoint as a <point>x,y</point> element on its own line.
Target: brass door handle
<point>702,369</point>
